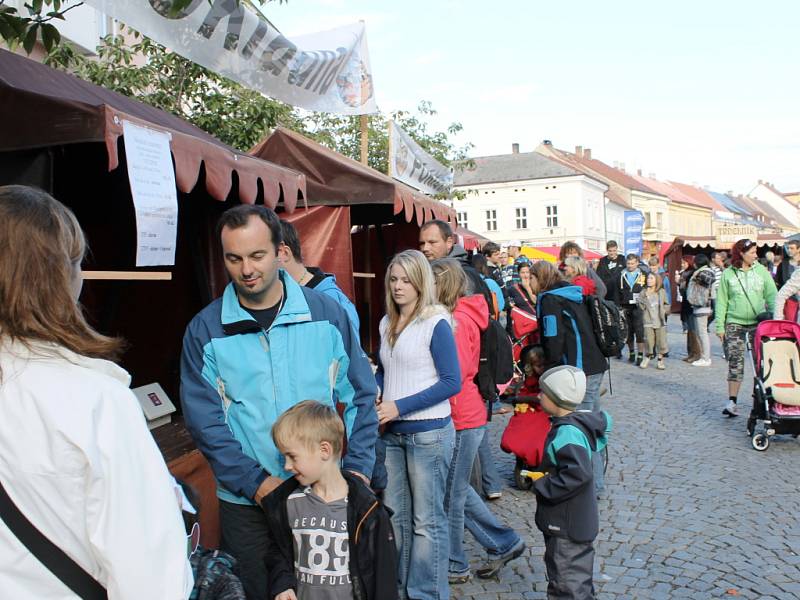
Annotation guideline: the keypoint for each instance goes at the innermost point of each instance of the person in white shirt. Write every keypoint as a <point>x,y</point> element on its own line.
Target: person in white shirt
<point>76,457</point>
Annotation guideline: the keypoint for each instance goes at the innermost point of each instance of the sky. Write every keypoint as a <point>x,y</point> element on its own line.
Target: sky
<point>701,91</point>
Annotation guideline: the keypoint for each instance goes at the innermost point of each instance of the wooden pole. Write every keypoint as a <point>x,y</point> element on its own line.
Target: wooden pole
<point>364,138</point>
<point>389,157</point>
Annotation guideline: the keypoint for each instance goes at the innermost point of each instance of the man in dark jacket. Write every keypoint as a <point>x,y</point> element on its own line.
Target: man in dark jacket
<point>566,504</point>
<point>630,284</point>
<point>437,240</point>
<point>791,260</point>
<point>609,269</point>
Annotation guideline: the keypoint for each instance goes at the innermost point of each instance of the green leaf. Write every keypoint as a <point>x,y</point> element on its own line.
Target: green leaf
<point>30,38</point>
<point>37,6</point>
<point>50,36</point>
<point>56,15</point>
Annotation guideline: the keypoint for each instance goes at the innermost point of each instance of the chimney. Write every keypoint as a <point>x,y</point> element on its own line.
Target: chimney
<point>622,167</point>
<point>579,151</point>
<point>639,172</point>
<point>760,182</point>
<point>652,175</point>
<point>514,148</point>
<point>730,193</point>
<point>587,154</point>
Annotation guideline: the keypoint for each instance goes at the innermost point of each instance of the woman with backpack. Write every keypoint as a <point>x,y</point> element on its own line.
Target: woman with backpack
<point>568,338</point>
<point>464,506</point>
<point>746,296</point>
<point>687,312</point>
<point>698,294</point>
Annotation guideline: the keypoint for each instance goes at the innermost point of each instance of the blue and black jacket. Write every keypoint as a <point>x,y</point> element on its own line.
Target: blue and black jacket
<point>325,283</point>
<point>566,501</point>
<point>236,379</point>
<point>566,329</point>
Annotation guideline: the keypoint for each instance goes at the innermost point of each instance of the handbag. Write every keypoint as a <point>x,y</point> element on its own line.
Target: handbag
<point>70,573</point>
<point>762,316</point>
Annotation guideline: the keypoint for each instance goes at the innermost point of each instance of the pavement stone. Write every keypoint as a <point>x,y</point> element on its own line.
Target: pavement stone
<point>690,509</point>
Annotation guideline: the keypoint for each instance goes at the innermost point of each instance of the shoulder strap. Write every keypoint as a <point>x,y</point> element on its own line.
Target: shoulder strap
<point>755,312</point>
<point>51,556</point>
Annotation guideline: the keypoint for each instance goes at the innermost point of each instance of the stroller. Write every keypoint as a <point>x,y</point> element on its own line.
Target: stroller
<point>524,332</point>
<point>775,351</point>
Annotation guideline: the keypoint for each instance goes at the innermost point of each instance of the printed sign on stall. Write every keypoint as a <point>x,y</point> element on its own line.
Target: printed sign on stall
<point>415,167</point>
<point>328,71</point>
<point>155,197</point>
<point>634,224</point>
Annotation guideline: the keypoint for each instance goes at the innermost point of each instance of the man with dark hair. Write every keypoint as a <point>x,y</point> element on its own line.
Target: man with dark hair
<point>250,355</point>
<point>291,256</point>
<point>436,240</point>
<point>610,268</point>
<point>632,283</point>
<point>511,270</point>
<point>790,261</point>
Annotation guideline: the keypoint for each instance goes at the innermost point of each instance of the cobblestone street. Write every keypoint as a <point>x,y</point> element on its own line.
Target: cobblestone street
<point>690,509</point>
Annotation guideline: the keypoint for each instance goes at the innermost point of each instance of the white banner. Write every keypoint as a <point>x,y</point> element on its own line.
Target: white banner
<point>327,71</point>
<point>415,167</point>
<point>155,197</point>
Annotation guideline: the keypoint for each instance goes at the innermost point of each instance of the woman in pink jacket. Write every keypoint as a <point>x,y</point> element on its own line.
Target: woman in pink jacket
<point>468,410</point>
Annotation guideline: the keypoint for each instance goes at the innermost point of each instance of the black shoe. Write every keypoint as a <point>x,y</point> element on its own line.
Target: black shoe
<point>493,565</point>
<point>619,356</point>
<point>632,357</point>
<point>639,362</point>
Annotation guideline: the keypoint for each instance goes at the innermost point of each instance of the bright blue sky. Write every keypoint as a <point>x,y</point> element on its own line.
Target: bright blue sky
<point>704,91</point>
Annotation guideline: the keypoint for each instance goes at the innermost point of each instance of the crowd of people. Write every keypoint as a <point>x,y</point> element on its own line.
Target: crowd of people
<point>338,475</point>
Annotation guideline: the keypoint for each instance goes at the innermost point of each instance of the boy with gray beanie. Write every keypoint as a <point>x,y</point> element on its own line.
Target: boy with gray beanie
<point>566,503</point>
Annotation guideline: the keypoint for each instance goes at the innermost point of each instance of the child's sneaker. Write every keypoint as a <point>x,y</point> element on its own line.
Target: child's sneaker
<point>660,365</point>
<point>645,362</point>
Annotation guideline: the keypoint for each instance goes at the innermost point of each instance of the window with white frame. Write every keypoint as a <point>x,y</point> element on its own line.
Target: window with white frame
<point>462,219</point>
<point>491,220</point>
<point>552,215</point>
<point>521,214</point>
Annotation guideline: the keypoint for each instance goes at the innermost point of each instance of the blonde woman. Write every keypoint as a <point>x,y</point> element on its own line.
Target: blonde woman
<point>464,506</point>
<point>77,458</point>
<point>418,372</point>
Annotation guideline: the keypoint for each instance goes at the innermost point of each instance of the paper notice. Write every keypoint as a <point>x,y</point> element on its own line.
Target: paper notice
<point>154,194</point>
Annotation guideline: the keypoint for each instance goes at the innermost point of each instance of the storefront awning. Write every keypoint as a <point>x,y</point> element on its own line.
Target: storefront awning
<point>332,179</point>
<point>43,107</point>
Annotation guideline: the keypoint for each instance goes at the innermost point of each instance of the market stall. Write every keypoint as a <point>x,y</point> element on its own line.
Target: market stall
<point>66,136</point>
<point>385,216</point>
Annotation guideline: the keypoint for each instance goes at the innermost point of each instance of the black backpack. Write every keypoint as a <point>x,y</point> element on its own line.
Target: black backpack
<point>497,360</point>
<point>609,325</point>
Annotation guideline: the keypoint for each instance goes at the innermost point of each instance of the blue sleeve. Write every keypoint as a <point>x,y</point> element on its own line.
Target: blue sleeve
<point>667,286</point>
<point>204,416</point>
<point>355,388</point>
<point>445,359</point>
<point>343,301</point>
<point>493,287</point>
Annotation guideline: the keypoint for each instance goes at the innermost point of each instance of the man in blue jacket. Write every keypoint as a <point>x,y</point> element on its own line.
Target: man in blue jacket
<point>261,348</point>
<point>291,255</point>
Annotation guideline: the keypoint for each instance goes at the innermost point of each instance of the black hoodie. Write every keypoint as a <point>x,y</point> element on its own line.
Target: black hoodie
<point>373,551</point>
<point>566,502</point>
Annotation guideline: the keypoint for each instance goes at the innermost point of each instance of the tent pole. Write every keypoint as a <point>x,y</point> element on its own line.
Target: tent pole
<point>389,154</point>
<point>364,119</point>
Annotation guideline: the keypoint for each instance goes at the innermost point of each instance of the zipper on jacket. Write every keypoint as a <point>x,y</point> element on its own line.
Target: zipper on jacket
<point>364,518</point>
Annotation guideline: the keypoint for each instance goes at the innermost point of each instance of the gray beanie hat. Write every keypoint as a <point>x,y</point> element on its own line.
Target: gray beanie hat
<point>564,385</point>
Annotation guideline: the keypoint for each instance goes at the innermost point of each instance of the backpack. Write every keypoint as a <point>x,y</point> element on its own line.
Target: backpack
<point>698,292</point>
<point>609,325</point>
<point>215,576</point>
<point>496,365</point>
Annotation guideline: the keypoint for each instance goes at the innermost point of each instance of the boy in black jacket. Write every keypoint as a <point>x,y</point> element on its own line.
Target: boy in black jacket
<point>632,283</point>
<point>329,537</point>
<point>566,504</point>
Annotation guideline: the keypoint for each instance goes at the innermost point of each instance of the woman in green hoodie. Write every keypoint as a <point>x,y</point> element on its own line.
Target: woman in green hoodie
<point>745,291</point>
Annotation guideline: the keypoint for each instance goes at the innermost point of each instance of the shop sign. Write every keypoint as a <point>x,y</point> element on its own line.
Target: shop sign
<point>327,71</point>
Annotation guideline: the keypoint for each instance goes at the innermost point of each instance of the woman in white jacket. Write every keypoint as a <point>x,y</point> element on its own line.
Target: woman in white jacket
<point>76,457</point>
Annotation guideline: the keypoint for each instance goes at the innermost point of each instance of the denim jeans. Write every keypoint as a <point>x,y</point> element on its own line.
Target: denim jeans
<point>490,479</point>
<point>466,508</point>
<point>591,401</point>
<point>417,465</point>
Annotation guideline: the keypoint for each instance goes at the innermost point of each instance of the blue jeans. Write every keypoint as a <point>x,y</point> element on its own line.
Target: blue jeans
<point>591,401</point>
<point>490,478</point>
<point>466,508</point>
<point>417,465</point>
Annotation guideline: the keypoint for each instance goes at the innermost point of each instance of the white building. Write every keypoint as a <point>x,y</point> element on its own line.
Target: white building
<point>532,198</point>
<point>766,192</point>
